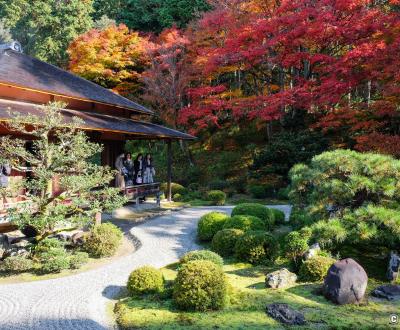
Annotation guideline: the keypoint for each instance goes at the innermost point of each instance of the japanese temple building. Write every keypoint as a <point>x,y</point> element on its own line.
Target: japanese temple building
<point>110,119</point>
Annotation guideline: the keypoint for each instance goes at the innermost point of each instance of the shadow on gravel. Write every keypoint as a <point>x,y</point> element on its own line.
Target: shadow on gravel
<point>115,292</point>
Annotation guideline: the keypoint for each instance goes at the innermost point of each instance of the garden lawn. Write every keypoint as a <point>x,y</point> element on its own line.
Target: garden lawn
<point>246,307</point>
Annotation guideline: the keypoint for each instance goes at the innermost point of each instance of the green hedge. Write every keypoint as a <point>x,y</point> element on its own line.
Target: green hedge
<point>279,216</point>
<point>103,240</point>
<point>245,223</point>
<point>210,224</point>
<point>257,210</point>
<point>145,280</point>
<point>217,197</point>
<point>225,240</point>
<point>200,285</point>
<point>256,247</point>
<point>315,269</point>
<point>202,255</point>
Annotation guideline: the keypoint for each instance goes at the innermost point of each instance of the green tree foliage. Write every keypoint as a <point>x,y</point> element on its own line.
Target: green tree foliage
<point>287,149</point>
<point>59,150</point>
<point>354,197</point>
<point>5,33</point>
<point>155,15</point>
<point>46,27</point>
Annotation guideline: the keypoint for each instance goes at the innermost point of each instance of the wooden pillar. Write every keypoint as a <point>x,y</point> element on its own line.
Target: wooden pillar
<point>169,170</point>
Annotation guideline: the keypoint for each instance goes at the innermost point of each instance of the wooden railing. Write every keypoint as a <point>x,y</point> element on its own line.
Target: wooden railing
<point>143,190</point>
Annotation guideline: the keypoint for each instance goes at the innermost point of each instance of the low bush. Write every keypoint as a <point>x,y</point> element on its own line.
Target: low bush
<point>300,218</point>
<point>210,224</point>
<point>200,285</point>
<point>48,244</point>
<point>315,268</point>
<point>54,261</point>
<point>17,264</point>
<point>78,259</point>
<point>256,247</point>
<point>217,197</point>
<point>145,280</point>
<point>295,245</point>
<point>257,210</point>
<point>103,240</point>
<point>192,195</point>
<point>283,193</point>
<point>245,223</point>
<point>177,198</point>
<point>176,188</point>
<point>279,216</point>
<point>257,191</point>
<point>202,255</point>
<point>224,241</point>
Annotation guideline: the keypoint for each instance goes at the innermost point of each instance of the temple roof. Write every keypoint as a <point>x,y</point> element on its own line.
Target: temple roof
<point>23,71</point>
<point>98,122</point>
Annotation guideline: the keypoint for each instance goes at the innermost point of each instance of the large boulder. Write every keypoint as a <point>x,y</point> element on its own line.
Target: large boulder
<point>393,267</point>
<point>285,314</point>
<point>345,282</point>
<point>280,279</point>
<point>389,292</point>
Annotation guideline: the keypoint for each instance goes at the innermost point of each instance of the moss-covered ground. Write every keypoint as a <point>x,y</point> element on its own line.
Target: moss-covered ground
<point>247,302</point>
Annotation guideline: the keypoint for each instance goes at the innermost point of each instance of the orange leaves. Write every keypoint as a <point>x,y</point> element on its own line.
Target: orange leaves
<point>113,57</point>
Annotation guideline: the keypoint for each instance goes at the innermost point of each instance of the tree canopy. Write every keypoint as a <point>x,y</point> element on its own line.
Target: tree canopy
<point>46,27</point>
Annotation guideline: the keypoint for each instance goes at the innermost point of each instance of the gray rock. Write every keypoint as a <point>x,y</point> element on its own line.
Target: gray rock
<point>389,292</point>
<point>279,279</point>
<point>312,251</point>
<point>14,237</point>
<point>345,282</point>
<point>78,238</point>
<point>393,267</point>
<point>285,314</point>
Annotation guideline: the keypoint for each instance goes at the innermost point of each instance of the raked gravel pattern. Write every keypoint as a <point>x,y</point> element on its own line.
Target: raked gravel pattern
<point>80,301</point>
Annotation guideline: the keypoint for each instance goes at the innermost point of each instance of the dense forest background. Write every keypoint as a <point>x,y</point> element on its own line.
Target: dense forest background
<point>263,84</point>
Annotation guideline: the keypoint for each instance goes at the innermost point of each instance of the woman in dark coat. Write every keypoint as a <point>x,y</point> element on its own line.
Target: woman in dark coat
<point>128,169</point>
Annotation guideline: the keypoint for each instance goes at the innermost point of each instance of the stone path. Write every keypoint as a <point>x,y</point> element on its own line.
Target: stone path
<point>79,301</point>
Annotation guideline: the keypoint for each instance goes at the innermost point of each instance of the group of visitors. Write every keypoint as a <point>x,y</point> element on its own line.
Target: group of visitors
<point>138,171</point>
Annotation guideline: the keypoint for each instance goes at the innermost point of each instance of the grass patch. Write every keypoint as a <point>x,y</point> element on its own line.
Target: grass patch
<point>246,307</point>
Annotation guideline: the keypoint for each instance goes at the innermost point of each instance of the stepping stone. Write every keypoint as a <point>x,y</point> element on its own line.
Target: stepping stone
<point>285,314</point>
<point>389,292</point>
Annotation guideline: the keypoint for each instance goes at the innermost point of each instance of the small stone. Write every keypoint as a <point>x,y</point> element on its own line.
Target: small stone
<point>393,267</point>
<point>285,314</point>
<point>78,238</point>
<point>312,251</point>
<point>345,282</point>
<point>389,292</point>
<point>14,236</point>
<point>280,279</point>
<point>21,244</point>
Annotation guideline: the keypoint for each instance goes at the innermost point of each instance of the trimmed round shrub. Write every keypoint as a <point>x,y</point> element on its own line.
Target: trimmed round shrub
<point>256,247</point>
<point>145,280</point>
<point>210,224</point>
<point>54,261</point>
<point>176,188</point>
<point>177,198</point>
<point>200,285</point>
<point>224,241</point>
<point>257,191</point>
<point>217,197</point>
<point>245,223</point>
<point>78,259</point>
<point>48,244</point>
<point>296,245</point>
<point>103,240</point>
<point>279,216</point>
<point>315,268</point>
<point>257,210</point>
<point>17,264</point>
<point>202,255</point>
